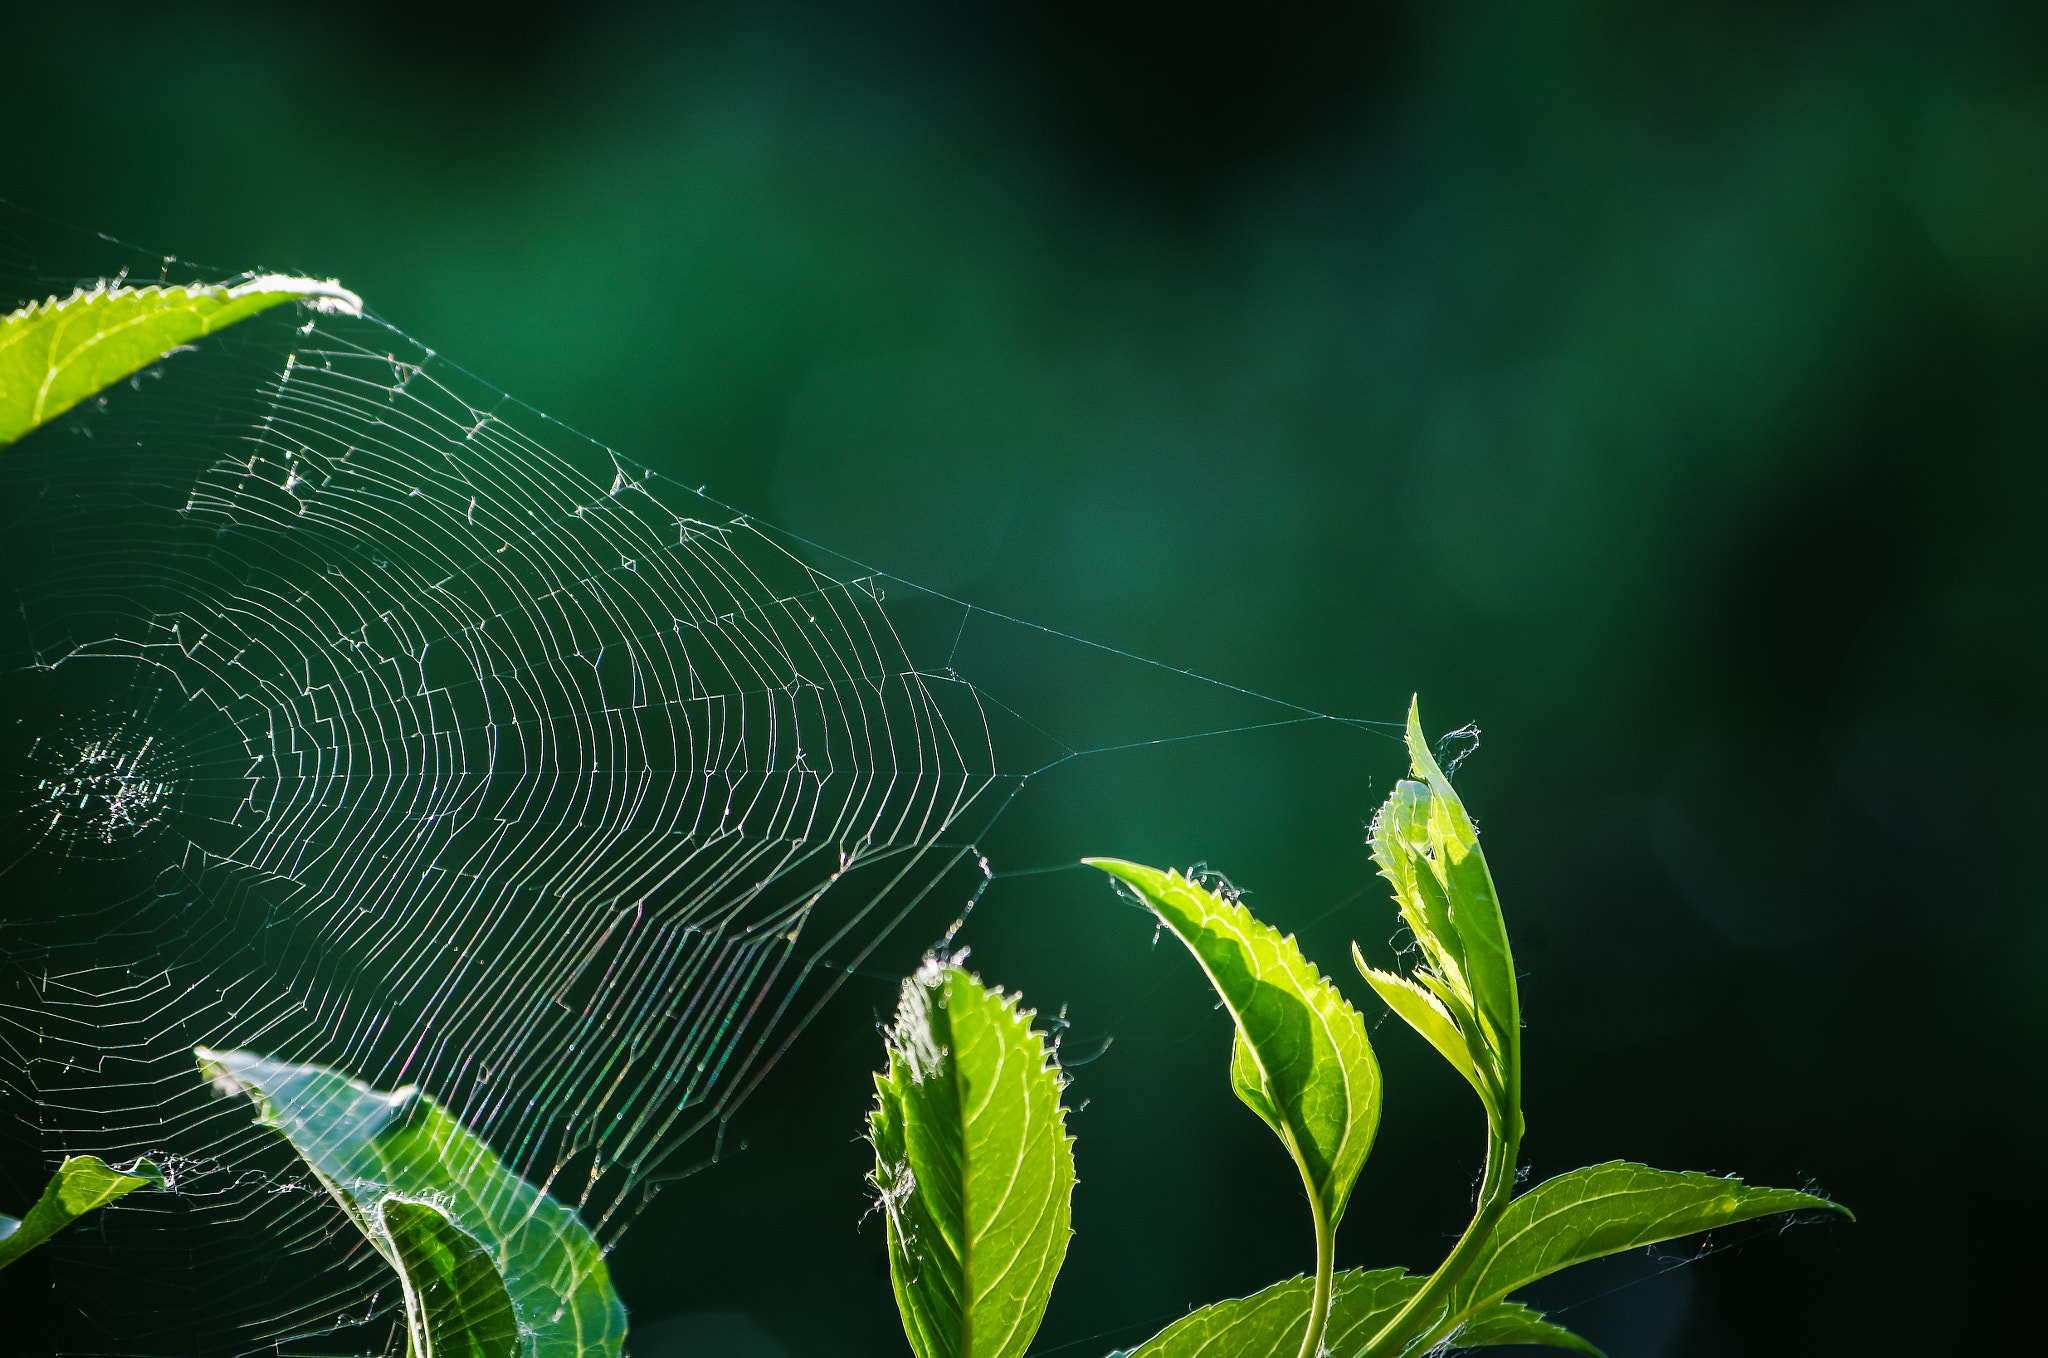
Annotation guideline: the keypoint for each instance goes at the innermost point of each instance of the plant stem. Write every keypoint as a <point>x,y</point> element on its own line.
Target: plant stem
<point>1326,1268</point>
<point>1495,1188</point>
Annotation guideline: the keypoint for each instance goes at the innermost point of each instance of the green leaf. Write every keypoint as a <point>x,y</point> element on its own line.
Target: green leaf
<point>1426,1014</point>
<point>452,1285</point>
<point>1301,1059</point>
<point>974,1169</point>
<point>1270,1323</point>
<point>1267,1324</point>
<point>56,353</point>
<point>1510,1322</point>
<point>377,1153</point>
<point>81,1184</point>
<point>1463,997</point>
<point>1604,1209</point>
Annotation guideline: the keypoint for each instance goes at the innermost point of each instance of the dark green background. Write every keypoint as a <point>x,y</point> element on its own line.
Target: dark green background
<point>1658,386</point>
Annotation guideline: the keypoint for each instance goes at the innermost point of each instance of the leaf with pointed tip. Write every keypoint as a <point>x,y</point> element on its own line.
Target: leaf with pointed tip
<point>56,353</point>
<point>1270,1322</point>
<point>371,1148</point>
<point>1426,1014</point>
<point>974,1169</point>
<point>81,1184</point>
<point>1603,1209</point>
<point>1301,1059</point>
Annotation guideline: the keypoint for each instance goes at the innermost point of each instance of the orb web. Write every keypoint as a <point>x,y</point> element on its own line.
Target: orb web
<point>394,739</point>
<point>360,716</point>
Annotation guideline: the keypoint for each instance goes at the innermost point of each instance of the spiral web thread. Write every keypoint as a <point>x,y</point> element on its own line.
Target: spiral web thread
<point>363,718</point>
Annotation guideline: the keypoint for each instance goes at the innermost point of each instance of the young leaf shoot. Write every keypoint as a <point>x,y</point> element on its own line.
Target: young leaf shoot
<point>1301,1059</point>
<point>1462,999</point>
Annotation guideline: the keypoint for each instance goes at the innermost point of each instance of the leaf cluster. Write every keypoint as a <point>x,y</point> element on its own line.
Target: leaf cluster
<point>978,1217</point>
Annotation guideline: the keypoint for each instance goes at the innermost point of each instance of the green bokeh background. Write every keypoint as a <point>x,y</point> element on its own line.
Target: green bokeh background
<point>1658,386</point>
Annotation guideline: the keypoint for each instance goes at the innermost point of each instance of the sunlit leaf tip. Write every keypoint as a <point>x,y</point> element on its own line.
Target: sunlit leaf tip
<point>60,351</point>
<point>1301,1060</point>
<point>83,1183</point>
<point>974,1170</point>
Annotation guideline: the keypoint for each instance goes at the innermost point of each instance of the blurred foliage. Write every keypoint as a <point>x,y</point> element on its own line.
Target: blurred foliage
<point>1666,375</point>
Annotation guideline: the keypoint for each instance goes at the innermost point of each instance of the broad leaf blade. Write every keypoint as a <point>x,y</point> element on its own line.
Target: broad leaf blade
<point>1302,1060</point>
<point>83,1183</point>
<point>1270,1323</point>
<point>369,1147</point>
<point>1604,1209</point>
<point>453,1290</point>
<point>973,1167</point>
<point>57,353</point>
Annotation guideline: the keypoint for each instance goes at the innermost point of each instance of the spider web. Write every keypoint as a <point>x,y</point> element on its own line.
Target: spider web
<point>362,716</point>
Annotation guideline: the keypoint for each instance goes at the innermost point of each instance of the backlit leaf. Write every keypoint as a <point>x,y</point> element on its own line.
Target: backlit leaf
<point>1301,1059</point>
<point>1428,850</point>
<point>1604,1209</point>
<point>1509,1322</point>
<point>380,1153</point>
<point>1426,1014</point>
<point>974,1169</point>
<point>80,1185</point>
<point>452,1284</point>
<point>1270,1323</point>
<point>56,353</point>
